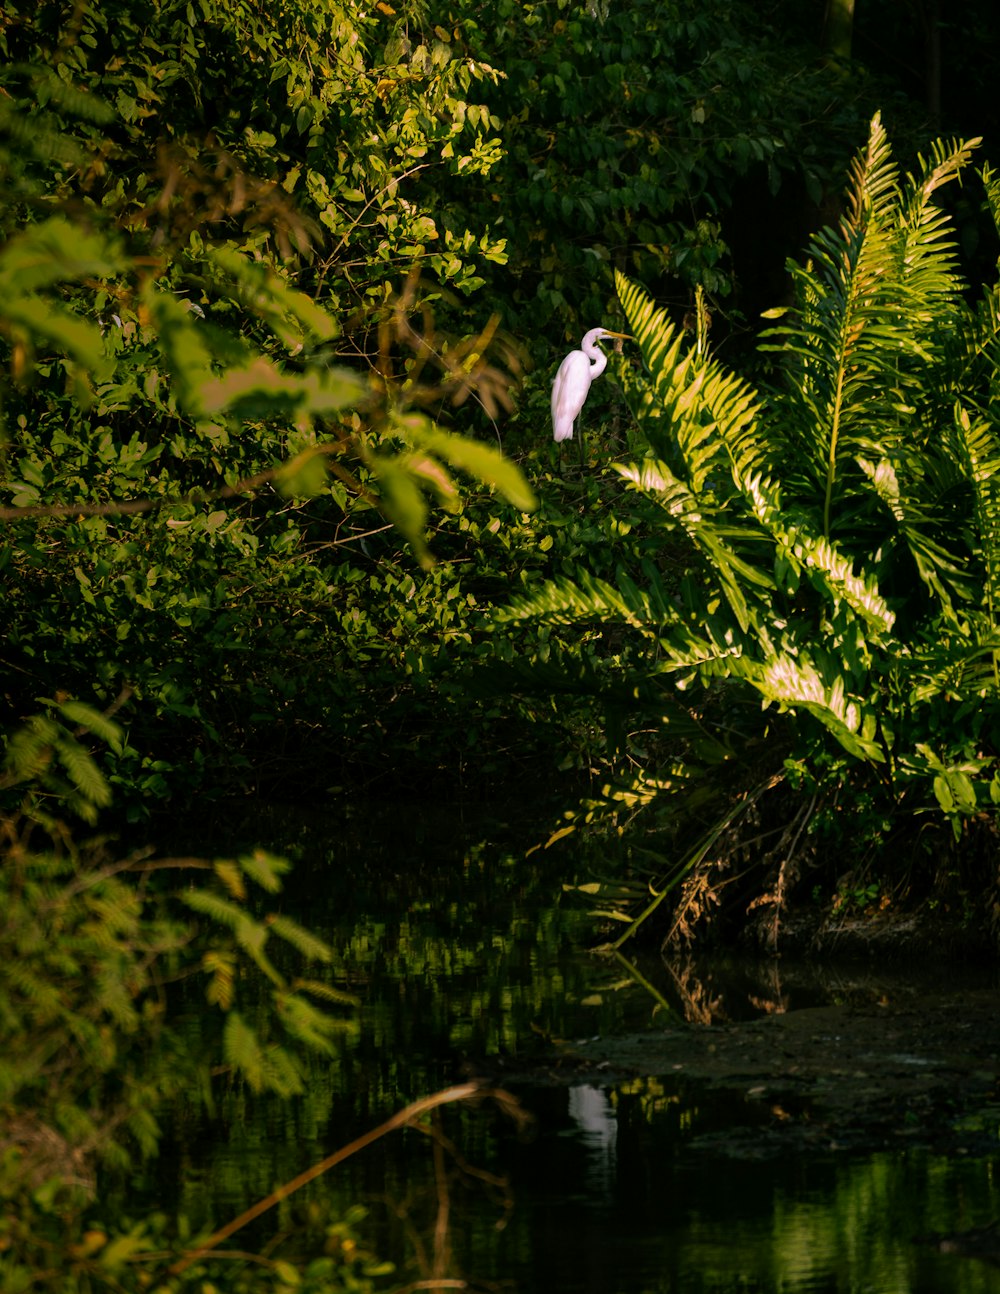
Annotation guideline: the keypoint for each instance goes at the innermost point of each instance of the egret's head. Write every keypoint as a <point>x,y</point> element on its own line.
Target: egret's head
<point>618,336</point>
<point>599,334</point>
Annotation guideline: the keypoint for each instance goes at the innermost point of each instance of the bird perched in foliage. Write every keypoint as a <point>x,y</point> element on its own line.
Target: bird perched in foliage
<point>576,372</point>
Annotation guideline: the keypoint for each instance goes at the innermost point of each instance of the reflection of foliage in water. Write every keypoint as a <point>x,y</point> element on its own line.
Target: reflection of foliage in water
<point>489,969</point>
<point>713,1223</point>
<point>848,1225</point>
<point>94,1051</point>
<point>474,974</point>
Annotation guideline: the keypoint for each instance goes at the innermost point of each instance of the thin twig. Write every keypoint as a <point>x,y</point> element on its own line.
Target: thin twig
<point>462,1092</point>
<point>442,1251</point>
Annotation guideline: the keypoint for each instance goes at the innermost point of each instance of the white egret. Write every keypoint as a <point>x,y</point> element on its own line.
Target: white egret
<point>576,372</point>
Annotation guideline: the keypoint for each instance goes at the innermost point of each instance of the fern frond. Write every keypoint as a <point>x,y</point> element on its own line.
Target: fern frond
<point>29,750</point>
<point>144,1128</point>
<point>873,179</point>
<point>221,966</point>
<point>946,162</point>
<point>264,1069</point>
<point>95,1042</point>
<point>232,878</point>
<point>328,993</point>
<point>43,998</point>
<point>304,941</point>
<point>114,911</point>
<point>943,573</point>
<point>243,1051</point>
<point>991,183</point>
<point>211,905</point>
<point>306,1023</point>
<point>282,1073</point>
<point>796,683</point>
<point>695,414</point>
<point>264,869</point>
<point>49,87</point>
<point>83,772</point>
<point>588,599</point>
<point>114,998</point>
<point>879,306</point>
<point>659,340</point>
<point>957,669</point>
<point>979,449</point>
<point>695,517</point>
<point>36,135</point>
<point>96,723</point>
<point>252,937</point>
<point>801,552</point>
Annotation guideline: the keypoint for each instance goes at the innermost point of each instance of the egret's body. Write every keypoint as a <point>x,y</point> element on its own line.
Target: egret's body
<point>572,384</point>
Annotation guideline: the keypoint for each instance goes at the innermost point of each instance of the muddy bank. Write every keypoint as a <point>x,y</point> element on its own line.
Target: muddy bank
<point>885,1067</point>
<point>938,934</point>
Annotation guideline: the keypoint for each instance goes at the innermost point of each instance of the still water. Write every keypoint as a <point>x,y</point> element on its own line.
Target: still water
<point>464,955</point>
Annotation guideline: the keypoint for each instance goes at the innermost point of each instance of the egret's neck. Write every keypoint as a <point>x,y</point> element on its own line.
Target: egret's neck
<point>598,362</point>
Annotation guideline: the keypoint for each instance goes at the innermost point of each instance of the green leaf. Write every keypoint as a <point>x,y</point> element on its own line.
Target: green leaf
<point>293,316</point>
<point>243,1051</point>
<point>302,477</point>
<point>264,869</point>
<point>47,325</point>
<point>304,941</point>
<point>261,388</point>
<point>53,252</point>
<point>483,462</point>
<point>85,716</point>
<point>185,350</point>
<point>402,501</point>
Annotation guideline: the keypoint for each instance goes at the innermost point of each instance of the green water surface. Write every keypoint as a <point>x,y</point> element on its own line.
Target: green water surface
<point>464,954</point>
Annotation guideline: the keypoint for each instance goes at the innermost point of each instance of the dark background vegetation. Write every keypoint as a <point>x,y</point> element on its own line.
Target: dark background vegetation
<point>282,291</point>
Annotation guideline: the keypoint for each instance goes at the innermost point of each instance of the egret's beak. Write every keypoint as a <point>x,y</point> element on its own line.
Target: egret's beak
<point>619,338</point>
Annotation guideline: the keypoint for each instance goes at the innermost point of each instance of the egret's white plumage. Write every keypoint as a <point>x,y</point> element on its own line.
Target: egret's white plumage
<point>576,372</point>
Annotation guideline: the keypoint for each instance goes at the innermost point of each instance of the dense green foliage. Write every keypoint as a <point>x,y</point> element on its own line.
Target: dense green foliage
<point>166,364</point>
<point>618,162</point>
<point>97,1039</point>
<point>281,510</point>
<point>194,297</point>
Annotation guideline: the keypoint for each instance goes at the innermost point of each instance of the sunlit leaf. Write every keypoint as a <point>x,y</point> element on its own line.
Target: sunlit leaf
<point>481,461</point>
<point>85,716</point>
<point>262,389</point>
<point>304,941</point>
<point>303,476</point>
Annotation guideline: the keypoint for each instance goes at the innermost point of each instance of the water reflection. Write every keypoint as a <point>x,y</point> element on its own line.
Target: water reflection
<point>676,1220</point>
<point>461,952</point>
<point>591,1110</point>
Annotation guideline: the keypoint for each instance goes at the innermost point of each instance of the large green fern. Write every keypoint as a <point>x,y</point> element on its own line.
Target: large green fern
<point>839,536</point>
<point>878,306</point>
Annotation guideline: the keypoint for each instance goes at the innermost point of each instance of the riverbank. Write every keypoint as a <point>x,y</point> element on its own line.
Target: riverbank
<point>891,1062</point>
